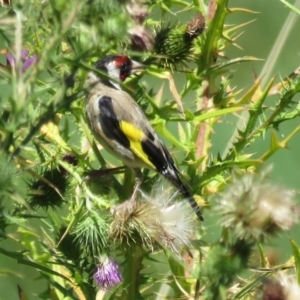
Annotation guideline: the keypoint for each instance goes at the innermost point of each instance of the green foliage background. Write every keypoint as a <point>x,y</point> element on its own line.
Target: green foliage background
<point>258,39</point>
<point>102,35</point>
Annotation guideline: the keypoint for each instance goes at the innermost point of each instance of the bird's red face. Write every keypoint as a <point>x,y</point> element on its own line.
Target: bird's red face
<point>118,67</point>
<point>124,64</point>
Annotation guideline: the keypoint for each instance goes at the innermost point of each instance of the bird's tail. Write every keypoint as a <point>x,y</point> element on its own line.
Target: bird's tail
<point>187,195</point>
<point>176,181</point>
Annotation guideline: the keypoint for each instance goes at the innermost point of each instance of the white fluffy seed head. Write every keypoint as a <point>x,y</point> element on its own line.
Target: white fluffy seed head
<point>157,218</point>
<point>282,287</point>
<point>254,206</point>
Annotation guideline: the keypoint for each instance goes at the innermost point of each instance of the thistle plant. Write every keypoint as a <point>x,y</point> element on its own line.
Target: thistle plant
<point>107,274</point>
<point>68,229</point>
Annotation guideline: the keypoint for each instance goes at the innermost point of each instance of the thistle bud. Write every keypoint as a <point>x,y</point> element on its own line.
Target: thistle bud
<point>69,158</point>
<point>138,10</point>
<point>141,38</point>
<point>196,26</point>
<point>173,44</point>
<point>48,189</point>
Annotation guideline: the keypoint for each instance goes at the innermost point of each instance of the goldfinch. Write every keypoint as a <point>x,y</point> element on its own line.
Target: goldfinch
<point>122,128</point>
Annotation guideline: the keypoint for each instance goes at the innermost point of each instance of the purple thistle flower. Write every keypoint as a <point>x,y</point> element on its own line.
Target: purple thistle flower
<point>27,61</point>
<point>107,274</point>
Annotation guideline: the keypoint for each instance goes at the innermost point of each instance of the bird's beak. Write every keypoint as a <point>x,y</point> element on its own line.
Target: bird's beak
<point>136,67</point>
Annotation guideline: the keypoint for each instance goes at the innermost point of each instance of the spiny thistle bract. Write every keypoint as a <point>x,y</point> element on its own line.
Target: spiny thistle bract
<point>99,184</point>
<point>173,44</point>
<point>68,245</point>
<point>47,190</point>
<point>91,232</point>
<point>223,264</point>
<point>8,175</point>
<point>51,186</point>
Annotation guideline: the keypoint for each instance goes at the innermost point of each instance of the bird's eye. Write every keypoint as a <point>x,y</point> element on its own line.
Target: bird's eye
<point>123,67</point>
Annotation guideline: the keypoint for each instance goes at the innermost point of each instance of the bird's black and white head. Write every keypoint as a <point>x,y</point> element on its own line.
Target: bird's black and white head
<point>118,68</point>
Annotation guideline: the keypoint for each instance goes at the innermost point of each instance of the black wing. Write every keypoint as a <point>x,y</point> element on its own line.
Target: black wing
<point>162,160</point>
<point>109,122</point>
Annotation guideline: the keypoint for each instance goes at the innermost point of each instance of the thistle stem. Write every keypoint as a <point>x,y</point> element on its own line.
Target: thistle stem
<point>201,147</point>
<point>133,260</point>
